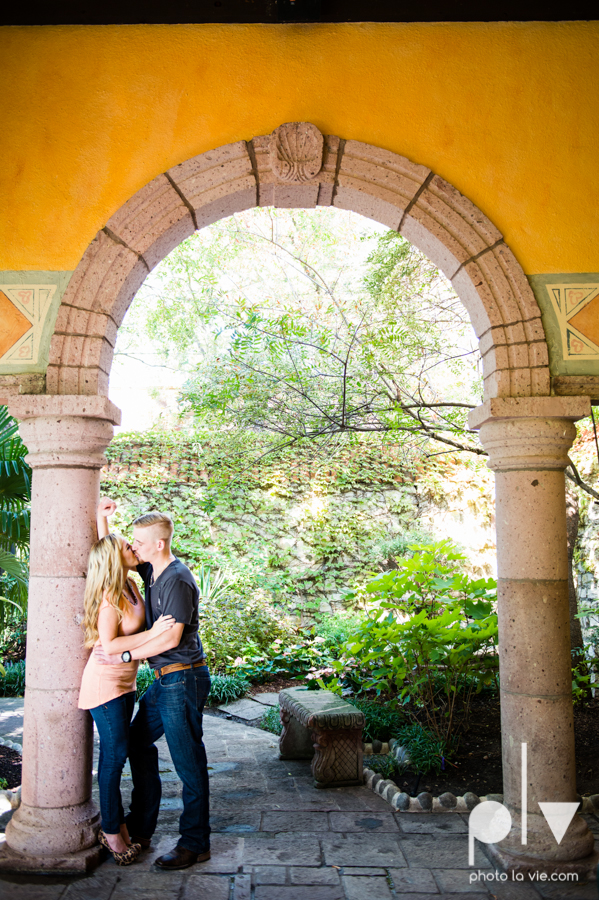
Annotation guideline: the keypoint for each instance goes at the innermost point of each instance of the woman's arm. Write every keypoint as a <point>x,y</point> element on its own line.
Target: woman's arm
<point>113,643</point>
<point>168,640</point>
<point>106,507</point>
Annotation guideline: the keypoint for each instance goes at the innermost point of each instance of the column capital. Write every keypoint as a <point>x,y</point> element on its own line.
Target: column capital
<point>30,406</point>
<point>572,408</point>
<point>528,432</point>
<point>65,431</point>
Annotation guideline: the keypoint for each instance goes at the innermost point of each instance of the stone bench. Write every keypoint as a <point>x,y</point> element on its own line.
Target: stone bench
<point>318,725</point>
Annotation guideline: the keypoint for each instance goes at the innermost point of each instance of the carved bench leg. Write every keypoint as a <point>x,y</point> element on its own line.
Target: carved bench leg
<point>337,759</point>
<point>295,741</point>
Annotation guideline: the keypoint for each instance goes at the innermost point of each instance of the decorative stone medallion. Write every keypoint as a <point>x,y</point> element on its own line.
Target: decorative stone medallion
<point>296,150</point>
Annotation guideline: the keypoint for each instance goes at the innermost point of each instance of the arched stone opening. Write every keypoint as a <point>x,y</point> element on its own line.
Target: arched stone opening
<point>526,431</point>
<point>409,198</point>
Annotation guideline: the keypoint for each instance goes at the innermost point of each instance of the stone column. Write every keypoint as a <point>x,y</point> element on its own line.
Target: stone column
<point>55,827</point>
<point>528,440</point>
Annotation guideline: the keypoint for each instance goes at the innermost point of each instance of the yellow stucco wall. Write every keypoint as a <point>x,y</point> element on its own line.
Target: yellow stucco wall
<point>508,113</point>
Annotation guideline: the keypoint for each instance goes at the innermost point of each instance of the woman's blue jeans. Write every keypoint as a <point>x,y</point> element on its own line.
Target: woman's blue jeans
<point>172,706</point>
<point>112,721</point>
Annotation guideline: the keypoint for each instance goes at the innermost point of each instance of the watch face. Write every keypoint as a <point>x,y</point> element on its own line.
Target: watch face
<point>126,656</point>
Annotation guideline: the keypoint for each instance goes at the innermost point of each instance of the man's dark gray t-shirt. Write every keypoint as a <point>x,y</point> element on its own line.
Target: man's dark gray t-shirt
<point>174,593</point>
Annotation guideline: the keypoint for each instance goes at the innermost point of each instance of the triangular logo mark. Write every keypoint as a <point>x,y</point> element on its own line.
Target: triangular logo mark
<point>578,347</point>
<point>576,296</point>
<point>558,297</point>
<point>559,816</point>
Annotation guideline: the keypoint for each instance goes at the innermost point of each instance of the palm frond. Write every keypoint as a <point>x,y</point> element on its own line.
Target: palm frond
<point>15,486</point>
<point>8,426</point>
<point>14,567</point>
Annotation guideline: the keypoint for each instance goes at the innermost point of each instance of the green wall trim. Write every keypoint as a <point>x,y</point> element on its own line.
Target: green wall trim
<point>38,302</point>
<point>553,293</point>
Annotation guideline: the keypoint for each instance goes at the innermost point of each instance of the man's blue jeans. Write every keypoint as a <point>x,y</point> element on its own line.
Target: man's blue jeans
<point>113,721</point>
<point>172,706</point>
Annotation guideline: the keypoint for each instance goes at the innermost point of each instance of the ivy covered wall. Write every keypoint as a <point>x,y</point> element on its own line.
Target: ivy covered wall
<point>307,529</point>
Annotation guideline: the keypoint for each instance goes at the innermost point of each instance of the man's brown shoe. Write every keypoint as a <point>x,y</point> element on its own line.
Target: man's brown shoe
<point>143,842</point>
<point>180,858</point>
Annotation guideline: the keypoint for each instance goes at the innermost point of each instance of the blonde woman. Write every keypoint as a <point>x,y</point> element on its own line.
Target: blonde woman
<point>114,617</point>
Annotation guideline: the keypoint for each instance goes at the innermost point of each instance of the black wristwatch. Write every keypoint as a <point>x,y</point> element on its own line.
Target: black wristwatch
<point>126,656</point>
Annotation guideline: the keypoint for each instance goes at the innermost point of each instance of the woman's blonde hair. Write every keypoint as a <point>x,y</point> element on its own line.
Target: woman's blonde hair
<point>105,578</point>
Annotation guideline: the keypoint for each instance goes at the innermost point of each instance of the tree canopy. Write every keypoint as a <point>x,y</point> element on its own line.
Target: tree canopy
<point>307,325</point>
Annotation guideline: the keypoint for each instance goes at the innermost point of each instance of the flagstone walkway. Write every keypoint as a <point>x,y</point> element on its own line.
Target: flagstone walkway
<point>276,837</point>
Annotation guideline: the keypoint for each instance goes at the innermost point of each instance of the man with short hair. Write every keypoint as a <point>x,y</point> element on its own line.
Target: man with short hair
<point>174,703</point>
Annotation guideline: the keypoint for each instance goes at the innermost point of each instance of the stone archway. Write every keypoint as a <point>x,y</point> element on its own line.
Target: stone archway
<point>526,431</point>
<point>406,197</point>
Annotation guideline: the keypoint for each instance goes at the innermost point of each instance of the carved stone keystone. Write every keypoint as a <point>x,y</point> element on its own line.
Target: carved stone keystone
<point>320,726</point>
<point>296,152</point>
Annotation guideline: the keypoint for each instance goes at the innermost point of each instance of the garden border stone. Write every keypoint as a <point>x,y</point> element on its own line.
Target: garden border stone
<point>12,795</point>
<point>446,802</point>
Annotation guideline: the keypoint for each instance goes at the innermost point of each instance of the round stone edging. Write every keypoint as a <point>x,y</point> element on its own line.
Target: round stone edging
<point>447,802</point>
<point>12,795</point>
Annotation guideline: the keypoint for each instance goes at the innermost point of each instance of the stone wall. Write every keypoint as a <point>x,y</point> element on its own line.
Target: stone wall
<point>316,533</point>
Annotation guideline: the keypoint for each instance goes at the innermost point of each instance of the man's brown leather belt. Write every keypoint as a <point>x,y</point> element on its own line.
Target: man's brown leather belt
<point>176,667</point>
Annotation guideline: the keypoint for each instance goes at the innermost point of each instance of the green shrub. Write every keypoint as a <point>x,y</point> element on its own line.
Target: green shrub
<point>426,752</point>
<point>381,721</point>
<point>383,765</point>
<point>429,644</point>
<point>3,784</point>
<point>13,683</point>
<point>337,628</point>
<point>14,633</point>
<point>271,720</point>
<point>145,677</point>
<point>227,688</point>
<point>305,657</point>
<point>224,688</point>
<point>235,626</point>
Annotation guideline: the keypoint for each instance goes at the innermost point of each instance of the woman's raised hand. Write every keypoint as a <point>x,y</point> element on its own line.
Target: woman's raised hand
<point>106,507</point>
<point>162,623</point>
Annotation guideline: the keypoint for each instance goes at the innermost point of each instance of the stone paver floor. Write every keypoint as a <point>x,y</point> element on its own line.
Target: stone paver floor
<point>276,837</point>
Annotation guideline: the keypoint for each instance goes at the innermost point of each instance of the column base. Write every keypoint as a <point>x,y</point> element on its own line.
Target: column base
<point>79,863</point>
<point>530,866</point>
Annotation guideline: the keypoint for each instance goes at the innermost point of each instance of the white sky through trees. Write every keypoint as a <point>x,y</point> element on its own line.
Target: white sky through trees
<point>289,295</point>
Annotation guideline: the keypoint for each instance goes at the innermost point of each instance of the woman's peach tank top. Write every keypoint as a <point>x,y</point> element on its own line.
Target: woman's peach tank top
<point>102,683</point>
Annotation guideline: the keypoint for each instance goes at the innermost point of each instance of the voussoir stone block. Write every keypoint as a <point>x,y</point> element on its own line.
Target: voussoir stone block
<point>218,183</point>
<point>463,229</point>
<point>494,337</point>
<point>72,320</point>
<point>501,288</point>
<point>377,183</point>
<point>432,238</point>
<point>107,278</point>
<point>533,329</point>
<point>472,289</point>
<point>518,356</point>
<point>153,221</point>
<point>497,384</point>
<point>520,287</point>
<point>540,382</point>
<point>445,198</point>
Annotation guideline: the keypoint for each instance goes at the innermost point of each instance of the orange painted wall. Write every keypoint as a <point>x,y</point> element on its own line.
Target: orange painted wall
<point>508,113</point>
